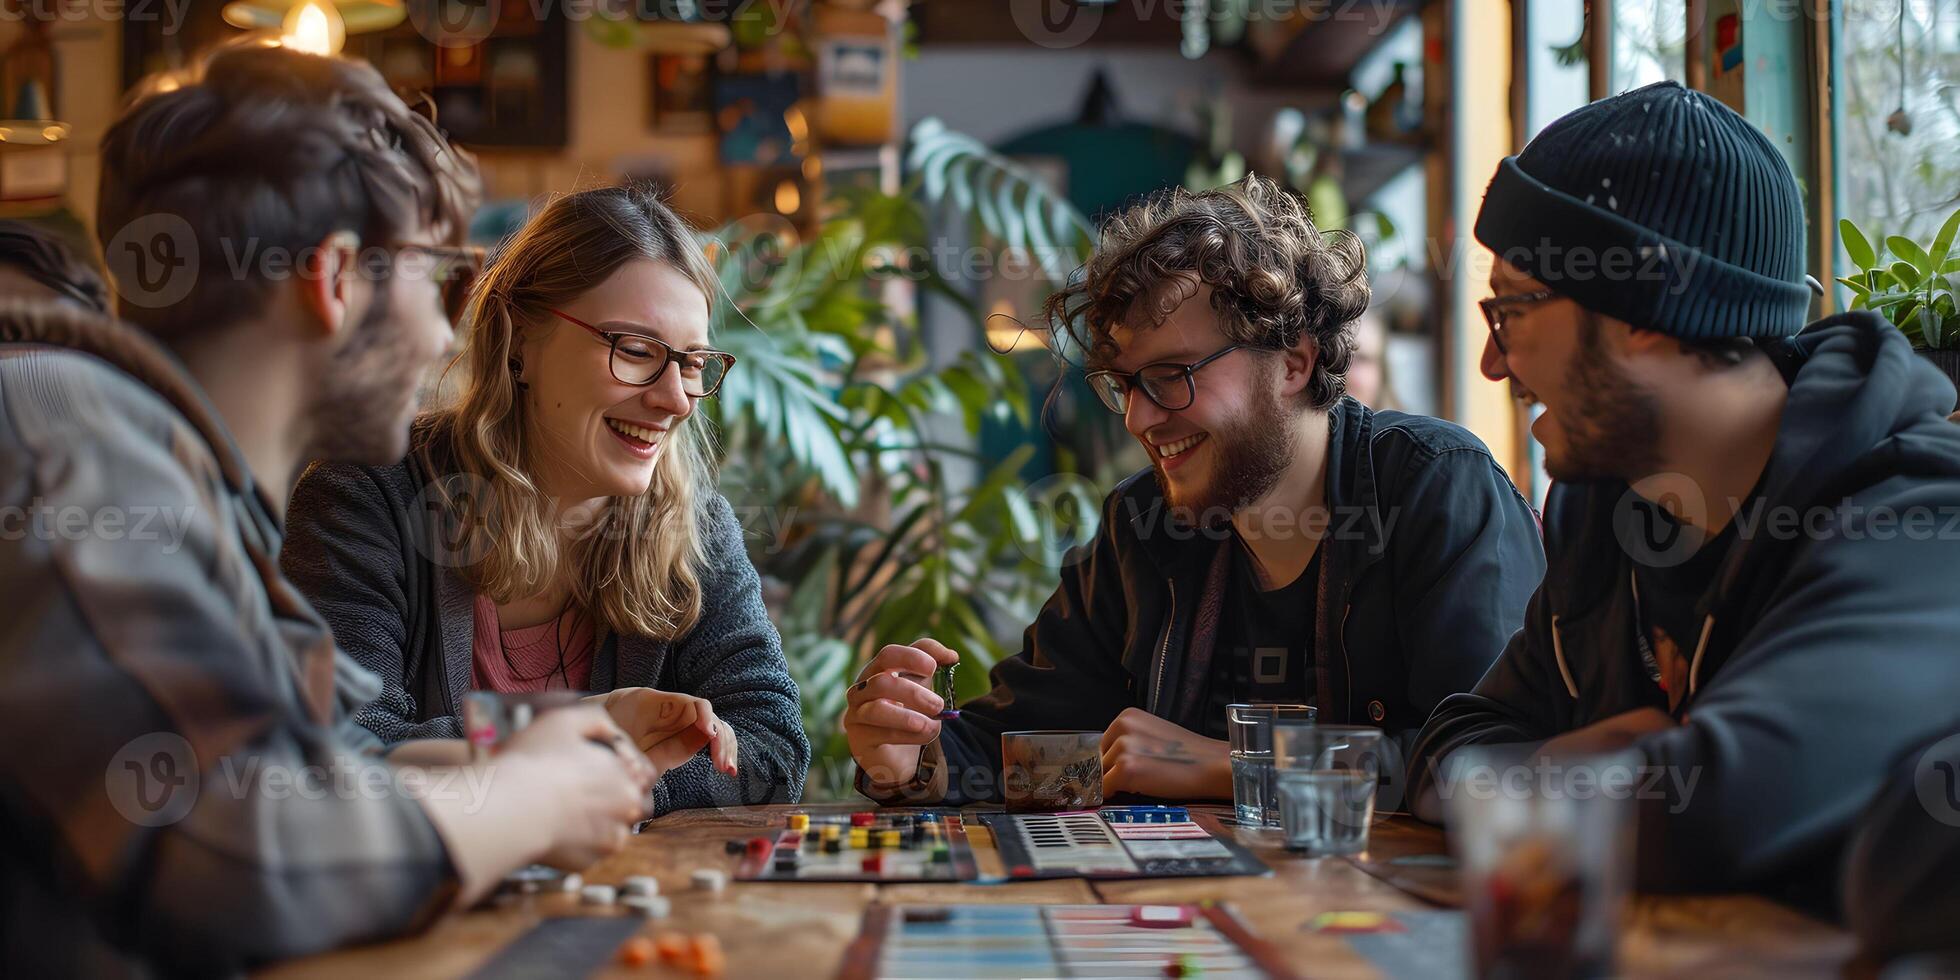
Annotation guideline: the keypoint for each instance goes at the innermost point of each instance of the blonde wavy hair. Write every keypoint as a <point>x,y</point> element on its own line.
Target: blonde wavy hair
<point>638,565</point>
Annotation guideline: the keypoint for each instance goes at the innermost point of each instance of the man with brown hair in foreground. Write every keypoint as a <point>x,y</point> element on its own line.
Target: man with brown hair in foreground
<point>185,790</point>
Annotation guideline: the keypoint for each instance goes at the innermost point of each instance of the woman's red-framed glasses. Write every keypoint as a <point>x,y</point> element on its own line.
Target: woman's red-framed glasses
<point>640,360</point>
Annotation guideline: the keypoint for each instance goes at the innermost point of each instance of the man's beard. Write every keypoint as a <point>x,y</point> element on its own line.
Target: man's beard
<point>358,415</point>
<point>1251,452</point>
<point>1614,429</point>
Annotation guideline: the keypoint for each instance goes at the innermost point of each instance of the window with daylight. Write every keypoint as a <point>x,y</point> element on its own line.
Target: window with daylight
<point>1650,42</point>
<point>1897,115</point>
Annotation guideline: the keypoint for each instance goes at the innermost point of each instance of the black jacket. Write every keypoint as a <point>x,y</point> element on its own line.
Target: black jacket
<point>363,542</point>
<point>1901,869</point>
<point>1424,571</point>
<point>1826,651</point>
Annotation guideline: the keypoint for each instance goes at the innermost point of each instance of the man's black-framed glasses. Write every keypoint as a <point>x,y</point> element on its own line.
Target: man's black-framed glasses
<point>1169,386</point>
<point>1496,307</point>
<point>453,268</point>
<point>640,360</point>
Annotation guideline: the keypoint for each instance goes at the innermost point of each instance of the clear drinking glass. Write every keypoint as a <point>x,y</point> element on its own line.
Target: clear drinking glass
<point>1545,850</point>
<point>1326,776</point>
<point>490,718</point>
<point>1250,727</point>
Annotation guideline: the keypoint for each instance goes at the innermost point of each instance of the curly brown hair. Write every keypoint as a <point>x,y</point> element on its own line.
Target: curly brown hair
<point>1273,276</point>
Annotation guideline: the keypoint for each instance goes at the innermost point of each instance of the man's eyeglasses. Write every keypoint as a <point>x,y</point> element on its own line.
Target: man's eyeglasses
<point>1496,307</point>
<point>453,268</point>
<point>640,360</point>
<point>1169,386</point>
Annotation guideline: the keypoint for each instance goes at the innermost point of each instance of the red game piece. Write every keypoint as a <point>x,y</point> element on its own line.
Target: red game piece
<point>863,819</point>
<point>874,864</point>
<point>758,845</point>
<point>1021,871</point>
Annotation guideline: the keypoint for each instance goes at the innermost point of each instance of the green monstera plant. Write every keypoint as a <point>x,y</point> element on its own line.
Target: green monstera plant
<point>1911,284</point>
<point>845,447</point>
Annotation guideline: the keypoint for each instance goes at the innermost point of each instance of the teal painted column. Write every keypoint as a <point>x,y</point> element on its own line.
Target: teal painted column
<point>1760,57</point>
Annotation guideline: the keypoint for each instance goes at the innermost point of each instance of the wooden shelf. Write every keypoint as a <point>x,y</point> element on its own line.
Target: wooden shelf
<point>1368,168</point>
<point>1324,52</point>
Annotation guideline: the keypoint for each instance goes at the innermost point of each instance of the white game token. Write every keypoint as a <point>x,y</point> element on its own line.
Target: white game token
<point>571,882</point>
<point>643,885</point>
<point>709,880</point>
<point>598,894</point>
<point>650,906</point>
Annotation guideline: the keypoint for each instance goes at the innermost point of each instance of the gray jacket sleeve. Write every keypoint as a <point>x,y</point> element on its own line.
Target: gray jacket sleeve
<point>734,658</point>
<point>348,548</point>
<point>161,768</point>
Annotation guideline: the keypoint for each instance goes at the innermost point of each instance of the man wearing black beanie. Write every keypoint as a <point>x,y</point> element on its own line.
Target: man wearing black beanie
<point>1754,524</point>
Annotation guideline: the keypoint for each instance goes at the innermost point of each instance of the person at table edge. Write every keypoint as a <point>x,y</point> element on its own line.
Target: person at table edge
<point>1286,545</point>
<point>185,791</point>
<point>1737,595</point>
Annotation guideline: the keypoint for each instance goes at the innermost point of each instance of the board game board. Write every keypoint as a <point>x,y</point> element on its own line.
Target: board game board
<point>1117,842</point>
<point>885,846</point>
<point>980,941</point>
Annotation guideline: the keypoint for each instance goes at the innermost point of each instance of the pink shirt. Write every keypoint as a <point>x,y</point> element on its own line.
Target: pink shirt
<point>528,657</point>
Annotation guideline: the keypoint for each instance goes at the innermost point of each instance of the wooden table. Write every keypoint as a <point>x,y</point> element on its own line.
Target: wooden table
<point>801,930</point>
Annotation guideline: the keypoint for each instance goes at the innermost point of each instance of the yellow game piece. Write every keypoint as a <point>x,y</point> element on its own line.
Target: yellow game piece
<point>888,838</point>
<point>799,821</point>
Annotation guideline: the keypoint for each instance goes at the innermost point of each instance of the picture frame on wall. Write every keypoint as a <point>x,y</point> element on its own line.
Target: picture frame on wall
<point>750,113</point>
<point>680,93</point>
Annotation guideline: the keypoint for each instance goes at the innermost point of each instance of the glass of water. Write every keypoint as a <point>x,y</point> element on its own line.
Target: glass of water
<point>1326,777</point>
<point>1251,730</point>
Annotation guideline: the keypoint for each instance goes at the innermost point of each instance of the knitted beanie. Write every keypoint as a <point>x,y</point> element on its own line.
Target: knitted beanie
<point>1660,207</point>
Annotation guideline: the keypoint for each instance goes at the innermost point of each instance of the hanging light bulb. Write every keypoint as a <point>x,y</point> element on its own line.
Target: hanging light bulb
<point>314,27</point>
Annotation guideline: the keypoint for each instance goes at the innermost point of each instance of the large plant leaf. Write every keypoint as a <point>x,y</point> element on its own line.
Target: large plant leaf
<point>1856,245</point>
<point>1006,199</point>
<point>1909,250</point>
<point>1943,243</point>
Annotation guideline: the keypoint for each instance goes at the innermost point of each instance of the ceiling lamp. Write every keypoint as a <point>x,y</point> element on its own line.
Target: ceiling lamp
<point>315,26</point>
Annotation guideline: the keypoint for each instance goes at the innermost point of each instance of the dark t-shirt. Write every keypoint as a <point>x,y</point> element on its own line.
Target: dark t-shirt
<point>1265,642</point>
<point>1669,595</point>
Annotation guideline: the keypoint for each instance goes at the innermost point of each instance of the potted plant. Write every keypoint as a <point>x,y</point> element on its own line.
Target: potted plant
<point>1911,285</point>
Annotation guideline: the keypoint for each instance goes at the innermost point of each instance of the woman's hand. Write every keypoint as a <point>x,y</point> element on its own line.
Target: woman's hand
<point>670,728</point>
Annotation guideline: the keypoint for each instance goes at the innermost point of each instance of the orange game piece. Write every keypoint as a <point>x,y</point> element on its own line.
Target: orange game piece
<point>671,947</point>
<point>638,951</point>
<point>707,959</point>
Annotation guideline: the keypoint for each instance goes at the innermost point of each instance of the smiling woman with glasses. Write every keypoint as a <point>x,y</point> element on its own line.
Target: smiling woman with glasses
<point>639,359</point>
<point>556,525</point>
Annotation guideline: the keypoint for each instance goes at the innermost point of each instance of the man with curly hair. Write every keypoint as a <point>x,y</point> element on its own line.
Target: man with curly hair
<point>1287,544</point>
